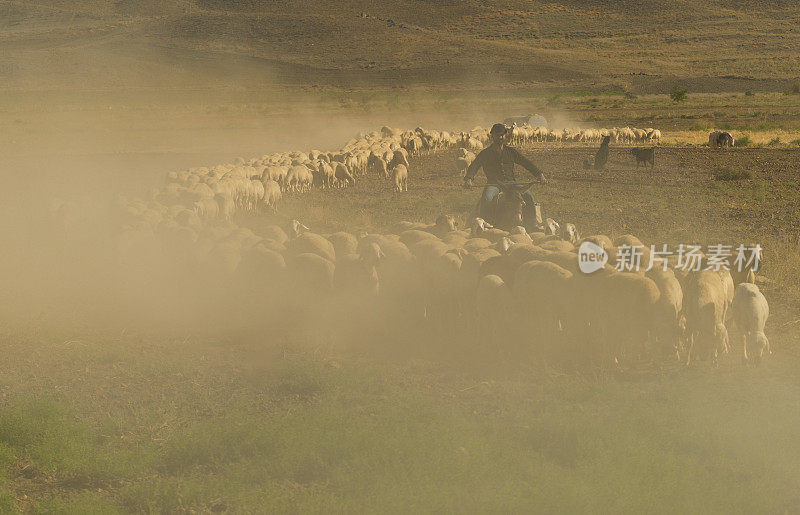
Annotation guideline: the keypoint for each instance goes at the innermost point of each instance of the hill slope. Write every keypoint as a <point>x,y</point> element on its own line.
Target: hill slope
<point>354,44</point>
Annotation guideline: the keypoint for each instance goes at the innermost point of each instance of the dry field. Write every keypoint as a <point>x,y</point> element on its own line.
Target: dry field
<point>109,405</point>
<point>98,415</point>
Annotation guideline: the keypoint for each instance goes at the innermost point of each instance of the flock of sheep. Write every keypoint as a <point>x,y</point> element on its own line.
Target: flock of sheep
<point>205,194</point>
<point>518,287</point>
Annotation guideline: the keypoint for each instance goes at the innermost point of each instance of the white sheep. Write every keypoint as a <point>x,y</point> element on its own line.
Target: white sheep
<point>704,304</point>
<point>272,194</point>
<point>667,322</point>
<point>750,312</point>
<point>400,178</point>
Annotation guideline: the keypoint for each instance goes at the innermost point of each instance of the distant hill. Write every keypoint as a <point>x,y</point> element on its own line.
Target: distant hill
<point>643,45</point>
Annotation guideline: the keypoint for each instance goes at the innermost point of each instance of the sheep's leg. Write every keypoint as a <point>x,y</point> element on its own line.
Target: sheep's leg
<point>743,339</point>
<point>689,349</point>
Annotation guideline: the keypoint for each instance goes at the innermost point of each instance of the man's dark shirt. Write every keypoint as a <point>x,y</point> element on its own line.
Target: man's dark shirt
<point>499,167</point>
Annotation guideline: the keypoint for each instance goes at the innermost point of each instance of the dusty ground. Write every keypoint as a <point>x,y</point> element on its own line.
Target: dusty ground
<point>100,98</point>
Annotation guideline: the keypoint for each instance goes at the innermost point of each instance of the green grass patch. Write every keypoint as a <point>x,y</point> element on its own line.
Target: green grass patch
<point>392,439</point>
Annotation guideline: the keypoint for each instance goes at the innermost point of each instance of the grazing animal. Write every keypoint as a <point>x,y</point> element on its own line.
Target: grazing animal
<point>644,155</point>
<point>720,139</point>
<point>750,313</point>
<point>400,178</point>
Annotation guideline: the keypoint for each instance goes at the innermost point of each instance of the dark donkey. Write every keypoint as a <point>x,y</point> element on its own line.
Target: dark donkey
<point>644,155</point>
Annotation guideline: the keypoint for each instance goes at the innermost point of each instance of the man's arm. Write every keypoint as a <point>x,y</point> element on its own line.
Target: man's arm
<point>527,164</point>
<point>473,167</point>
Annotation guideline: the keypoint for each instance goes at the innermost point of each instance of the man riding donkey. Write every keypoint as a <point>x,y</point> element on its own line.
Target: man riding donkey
<point>497,161</point>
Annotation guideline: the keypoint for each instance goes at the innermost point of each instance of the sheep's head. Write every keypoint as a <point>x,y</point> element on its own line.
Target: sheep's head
<point>551,226</point>
<point>504,245</point>
<point>479,225</point>
<point>297,228</point>
<point>446,222</point>
<point>569,233</point>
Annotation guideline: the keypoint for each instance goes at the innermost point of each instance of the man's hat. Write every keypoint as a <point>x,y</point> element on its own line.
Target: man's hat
<point>498,129</point>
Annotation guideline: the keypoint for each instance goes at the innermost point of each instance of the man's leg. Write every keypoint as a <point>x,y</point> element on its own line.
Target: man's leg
<point>529,210</point>
<point>485,203</point>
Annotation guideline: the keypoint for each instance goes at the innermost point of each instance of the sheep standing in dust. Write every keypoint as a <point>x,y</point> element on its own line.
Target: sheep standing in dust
<point>272,194</point>
<point>628,310</point>
<point>400,178</point>
<point>543,292</point>
<point>377,165</point>
<point>667,323</point>
<point>399,157</point>
<point>299,179</point>
<point>653,134</point>
<point>463,161</point>
<point>343,175</point>
<point>313,274</point>
<point>750,312</point>
<point>704,303</point>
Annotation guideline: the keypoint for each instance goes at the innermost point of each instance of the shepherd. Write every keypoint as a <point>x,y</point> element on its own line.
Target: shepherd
<point>497,161</point>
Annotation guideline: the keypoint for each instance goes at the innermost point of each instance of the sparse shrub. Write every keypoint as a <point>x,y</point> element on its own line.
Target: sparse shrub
<point>775,141</point>
<point>630,95</point>
<point>795,142</point>
<point>678,94</point>
<point>727,174</point>
<point>744,141</point>
<point>749,93</point>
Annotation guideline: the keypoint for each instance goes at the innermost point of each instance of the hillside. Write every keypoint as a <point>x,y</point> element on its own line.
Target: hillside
<point>250,44</point>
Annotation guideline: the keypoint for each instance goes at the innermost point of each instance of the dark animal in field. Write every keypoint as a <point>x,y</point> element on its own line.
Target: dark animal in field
<point>720,139</point>
<point>601,157</point>
<point>644,155</point>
